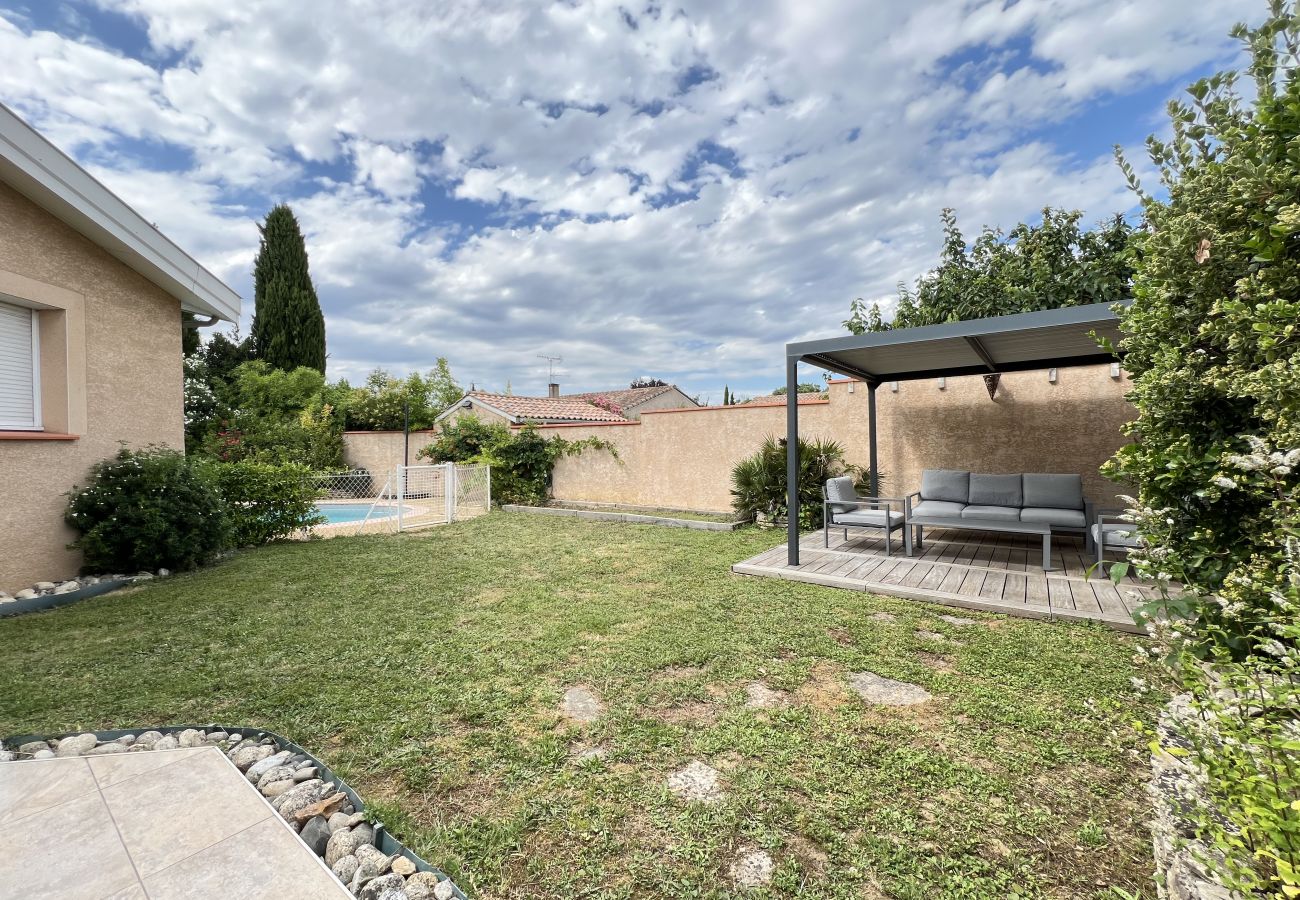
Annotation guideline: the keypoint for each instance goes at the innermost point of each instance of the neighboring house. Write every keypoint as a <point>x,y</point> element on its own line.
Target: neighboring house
<point>634,401</point>
<point>558,409</point>
<point>91,297</point>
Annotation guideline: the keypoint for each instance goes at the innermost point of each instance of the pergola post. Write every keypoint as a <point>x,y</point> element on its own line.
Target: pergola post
<point>792,459</point>
<point>874,484</point>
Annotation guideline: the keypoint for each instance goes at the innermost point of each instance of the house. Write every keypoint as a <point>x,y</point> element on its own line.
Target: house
<point>91,297</point>
<point>625,405</point>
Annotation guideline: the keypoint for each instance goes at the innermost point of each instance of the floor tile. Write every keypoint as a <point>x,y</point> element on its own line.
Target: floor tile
<point>264,862</point>
<point>173,812</point>
<point>29,786</point>
<point>70,852</point>
<point>121,766</point>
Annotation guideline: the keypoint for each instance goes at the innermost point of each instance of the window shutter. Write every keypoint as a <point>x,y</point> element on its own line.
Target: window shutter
<point>19,407</point>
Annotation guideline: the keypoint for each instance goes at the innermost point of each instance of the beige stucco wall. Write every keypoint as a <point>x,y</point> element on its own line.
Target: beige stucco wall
<point>380,451</point>
<point>683,458</point>
<point>126,365</point>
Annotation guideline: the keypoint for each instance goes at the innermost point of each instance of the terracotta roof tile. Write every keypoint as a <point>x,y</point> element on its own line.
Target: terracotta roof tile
<point>625,397</point>
<point>547,409</point>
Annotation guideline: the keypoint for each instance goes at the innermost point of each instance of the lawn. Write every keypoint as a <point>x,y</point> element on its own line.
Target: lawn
<point>428,668</point>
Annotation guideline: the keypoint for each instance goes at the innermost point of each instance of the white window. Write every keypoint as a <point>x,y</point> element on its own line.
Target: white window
<point>20,378</point>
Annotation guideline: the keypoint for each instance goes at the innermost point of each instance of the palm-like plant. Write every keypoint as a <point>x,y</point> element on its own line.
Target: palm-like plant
<point>758,483</point>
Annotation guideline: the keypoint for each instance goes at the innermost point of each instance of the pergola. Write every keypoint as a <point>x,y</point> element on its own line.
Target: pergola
<point>1053,338</point>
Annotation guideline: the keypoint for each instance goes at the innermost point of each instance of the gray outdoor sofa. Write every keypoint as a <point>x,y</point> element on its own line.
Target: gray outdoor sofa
<point>1030,504</point>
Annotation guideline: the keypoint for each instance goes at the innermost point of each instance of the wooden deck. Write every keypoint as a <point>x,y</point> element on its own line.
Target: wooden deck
<point>999,573</point>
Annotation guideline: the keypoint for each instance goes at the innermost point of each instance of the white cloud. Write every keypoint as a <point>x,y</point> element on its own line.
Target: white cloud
<point>805,149</point>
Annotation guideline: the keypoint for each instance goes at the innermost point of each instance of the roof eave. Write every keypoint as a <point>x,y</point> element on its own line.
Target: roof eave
<point>49,178</point>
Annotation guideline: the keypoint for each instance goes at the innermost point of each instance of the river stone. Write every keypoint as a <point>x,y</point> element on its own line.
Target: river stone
<point>234,737</point>
<point>369,854</point>
<point>76,745</point>
<point>696,782</point>
<point>67,587</point>
<point>43,754</point>
<point>216,737</point>
<point>306,773</point>
<point>191,737</point>
<point>106,749</point>
<point>127,740</point>
<point>44,585</point>
<point>376,888</point>
<point>403,866</point>
<point>341,844</point>
<point>33,747</point>
<point>339,820</point>
<point>27,594</point>
<point>272,765</point>
<point>301,796</point>
<point>276,788</point>
<point>247,755</point>
<point>167,742</point>
<point>274,774</point>
<point>365,833</point>
<point>886,691</point>
<point>148,739</point>
<point>316,834</point>
<point>421,885</point>
<point>394,894</point>
<point>581,705</point>
<point>8,756</point>
<point>344,868</point>
<point>444,891</point>
<point>752,868</point>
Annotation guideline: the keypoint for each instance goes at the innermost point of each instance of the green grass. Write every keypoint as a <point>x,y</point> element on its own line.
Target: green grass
<point>694,515</point>
<point>426,669</point>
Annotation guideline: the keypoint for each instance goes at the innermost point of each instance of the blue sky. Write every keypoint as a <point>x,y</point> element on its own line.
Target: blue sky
<point>671,191</point>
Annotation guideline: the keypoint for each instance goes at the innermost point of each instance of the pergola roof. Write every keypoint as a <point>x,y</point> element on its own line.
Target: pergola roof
<point>1033,340</point>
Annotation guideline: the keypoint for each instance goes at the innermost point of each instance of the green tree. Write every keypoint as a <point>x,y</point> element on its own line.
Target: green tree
<point>288,326</point>
<point>279,417</point>
<point>804,387</point>
<point>379,404</point>
<point>1052,264</point>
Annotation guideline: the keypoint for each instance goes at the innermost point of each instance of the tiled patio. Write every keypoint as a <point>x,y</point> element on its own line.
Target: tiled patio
<point>157,825</point>
<point>992,572</point>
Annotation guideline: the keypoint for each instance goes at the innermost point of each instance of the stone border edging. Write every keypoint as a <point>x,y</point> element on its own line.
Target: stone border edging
<point>384,840</point>
<point>53,601</point>
<point>634,518</point>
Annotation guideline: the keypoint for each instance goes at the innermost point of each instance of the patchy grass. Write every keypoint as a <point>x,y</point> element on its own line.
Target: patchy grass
<point>427,669</point>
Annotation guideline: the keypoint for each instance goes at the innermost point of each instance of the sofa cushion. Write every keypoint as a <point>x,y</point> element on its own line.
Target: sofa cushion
<point>995,490</point>
<point>945,484</point>
<point>938,508</point>
<point>1001,513</point>
<point>869,517</point>
<point>1065,518</point>
<point>841,489</point>
<point>1053,491</point>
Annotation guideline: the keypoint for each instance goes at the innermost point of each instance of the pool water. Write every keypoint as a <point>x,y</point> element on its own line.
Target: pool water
<point>342,513</point>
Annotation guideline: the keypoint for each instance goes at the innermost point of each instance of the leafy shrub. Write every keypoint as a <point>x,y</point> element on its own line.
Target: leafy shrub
<point>279,417</point>
<point>146,509</point>
<point>378,405</point>
<point>521,460</point>
<point>265,502</point>
<point>758,483</point>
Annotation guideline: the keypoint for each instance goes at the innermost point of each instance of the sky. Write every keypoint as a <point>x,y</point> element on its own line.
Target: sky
<point>643,189</point>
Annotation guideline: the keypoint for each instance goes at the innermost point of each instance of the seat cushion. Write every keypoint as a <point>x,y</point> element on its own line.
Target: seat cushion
<point>948,485</point>
<point>841,489</point>
<point>869,517</point>
<point>995,490</point>
<point>938,508</point>
<point>1001,513</point>
<point>1065,518</point>
<point>1117,534</point>
<point>1052,491</point>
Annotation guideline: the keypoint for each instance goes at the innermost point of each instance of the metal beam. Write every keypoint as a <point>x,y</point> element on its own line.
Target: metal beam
<point>792,459</point>
<point>983,354</point>
<point>871,421</point>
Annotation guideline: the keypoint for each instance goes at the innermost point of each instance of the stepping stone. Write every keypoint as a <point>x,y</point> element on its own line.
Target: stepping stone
<point>886,691</point>
<point>581,705</point>
<point>589,753</point>
<point>959,620</point>
<point>752,868</point>
<point>884,617</point>
<point>697,783</point>
<point>760,696</point>
<point>925,635</point>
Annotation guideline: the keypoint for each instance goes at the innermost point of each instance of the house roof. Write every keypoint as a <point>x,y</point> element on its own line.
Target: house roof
<point>49,178</point>
<point>539,409</point>
<point>627,397</point>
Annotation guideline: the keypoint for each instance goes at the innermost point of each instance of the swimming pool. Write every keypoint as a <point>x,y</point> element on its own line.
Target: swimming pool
<point>343,513</point>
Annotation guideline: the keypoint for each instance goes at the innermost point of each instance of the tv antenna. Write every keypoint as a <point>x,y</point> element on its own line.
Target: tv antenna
<point>550,364</point>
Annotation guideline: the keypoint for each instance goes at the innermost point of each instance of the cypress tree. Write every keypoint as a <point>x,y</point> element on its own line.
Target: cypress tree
<point>288,327</point>
<point>726,395</point>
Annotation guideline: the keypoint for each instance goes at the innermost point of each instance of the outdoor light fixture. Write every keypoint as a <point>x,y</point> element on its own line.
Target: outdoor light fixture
<point>1051,376</point>
<point>943,383</point>
<point>1114,370</point>
<point>893,386</point>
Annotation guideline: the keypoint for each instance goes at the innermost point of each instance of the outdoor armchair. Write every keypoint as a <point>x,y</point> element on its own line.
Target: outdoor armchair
<point>842,507</point>
<point>1113,531</point>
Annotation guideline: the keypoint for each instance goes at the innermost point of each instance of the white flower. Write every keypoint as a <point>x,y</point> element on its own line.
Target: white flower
<point>1224,482</point>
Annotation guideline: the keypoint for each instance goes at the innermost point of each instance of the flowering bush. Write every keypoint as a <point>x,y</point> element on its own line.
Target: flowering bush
<point>146,509</point>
